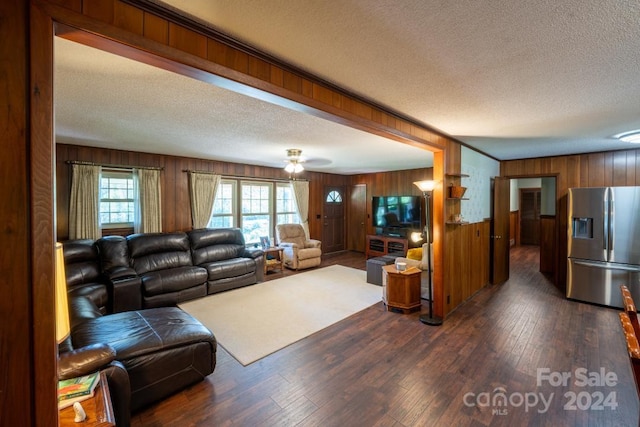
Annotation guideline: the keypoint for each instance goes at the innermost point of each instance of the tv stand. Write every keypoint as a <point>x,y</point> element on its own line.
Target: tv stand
<point>380,245</point>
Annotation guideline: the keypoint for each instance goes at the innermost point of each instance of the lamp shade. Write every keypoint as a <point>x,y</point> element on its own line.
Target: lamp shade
<point>293,167</point>
<point>425,186</point>
<point>62,308</point>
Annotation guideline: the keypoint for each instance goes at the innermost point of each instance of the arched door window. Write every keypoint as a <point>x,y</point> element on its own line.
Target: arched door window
<point>334,197</point>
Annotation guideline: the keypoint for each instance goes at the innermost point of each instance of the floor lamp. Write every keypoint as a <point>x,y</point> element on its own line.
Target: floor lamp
<point>427,187</point>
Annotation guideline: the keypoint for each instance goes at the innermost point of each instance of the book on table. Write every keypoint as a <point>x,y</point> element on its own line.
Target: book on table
<point>77,389</point>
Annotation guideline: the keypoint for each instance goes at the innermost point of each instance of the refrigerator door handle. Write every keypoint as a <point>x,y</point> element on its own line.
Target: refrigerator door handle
<point>612,214</point>
<point>606,224</point>
<point>608,266</point>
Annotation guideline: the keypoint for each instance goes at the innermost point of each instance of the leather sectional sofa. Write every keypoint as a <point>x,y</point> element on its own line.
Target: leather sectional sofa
<point>122,297</point>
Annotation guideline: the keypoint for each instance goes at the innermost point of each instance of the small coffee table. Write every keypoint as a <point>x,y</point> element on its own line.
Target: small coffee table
<point>273,259</point>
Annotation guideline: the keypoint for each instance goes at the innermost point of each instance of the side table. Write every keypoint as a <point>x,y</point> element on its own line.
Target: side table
<point>98,409</point>
<point>273,259</point>
<point>401,290</point>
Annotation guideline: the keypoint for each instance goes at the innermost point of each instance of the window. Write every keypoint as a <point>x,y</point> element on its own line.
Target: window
<point>286,212</point>
<point>224,206</point>
<point>253,206</point>
<point>116,199</point>
<point>334,197</point>
<point>255,215</point>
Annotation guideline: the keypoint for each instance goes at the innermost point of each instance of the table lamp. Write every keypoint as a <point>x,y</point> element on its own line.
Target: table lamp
<point>62,309</point>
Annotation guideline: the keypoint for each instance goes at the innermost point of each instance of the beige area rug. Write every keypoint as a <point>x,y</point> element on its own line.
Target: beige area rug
<point>257,320</point>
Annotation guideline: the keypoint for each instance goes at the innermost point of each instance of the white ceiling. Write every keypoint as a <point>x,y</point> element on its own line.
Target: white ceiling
<point>512,79</point>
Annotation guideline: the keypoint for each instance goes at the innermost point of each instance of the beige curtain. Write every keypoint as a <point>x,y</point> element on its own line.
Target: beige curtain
<point>148,214</point>
<point>202,190</point>
<point>84,202</point>
<point>301,197</point>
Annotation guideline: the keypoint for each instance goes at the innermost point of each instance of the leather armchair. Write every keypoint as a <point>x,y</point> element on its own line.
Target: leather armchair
<point>299,252</point>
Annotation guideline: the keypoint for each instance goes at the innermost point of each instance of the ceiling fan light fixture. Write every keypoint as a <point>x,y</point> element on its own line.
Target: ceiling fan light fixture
<point>294,165</point>
<point>631,136</point>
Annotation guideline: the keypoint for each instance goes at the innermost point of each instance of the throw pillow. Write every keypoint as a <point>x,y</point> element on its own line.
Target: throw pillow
<point>415,253</point>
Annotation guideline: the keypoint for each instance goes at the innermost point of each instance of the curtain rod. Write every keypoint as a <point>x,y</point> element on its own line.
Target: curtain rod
<point>242,176</point>
<point>104,165</point>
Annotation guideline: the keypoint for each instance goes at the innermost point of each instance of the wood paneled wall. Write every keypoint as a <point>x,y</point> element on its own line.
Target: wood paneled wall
<point>466,262</point>
<point>176,207</point>
<point>612,168</point>
<point>547,240</point>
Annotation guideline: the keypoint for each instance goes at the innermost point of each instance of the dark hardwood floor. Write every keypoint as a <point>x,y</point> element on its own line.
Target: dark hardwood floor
<point>480,368</point>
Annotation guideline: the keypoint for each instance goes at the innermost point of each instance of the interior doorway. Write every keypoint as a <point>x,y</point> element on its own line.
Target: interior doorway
<point>533,217</point>
<point>530,216</point>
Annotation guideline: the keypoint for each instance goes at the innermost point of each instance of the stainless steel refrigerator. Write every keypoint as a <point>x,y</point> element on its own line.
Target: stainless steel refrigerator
<point>604,244</point>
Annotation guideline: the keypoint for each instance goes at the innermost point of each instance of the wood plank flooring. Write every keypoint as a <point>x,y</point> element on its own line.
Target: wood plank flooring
<point>380,368</point>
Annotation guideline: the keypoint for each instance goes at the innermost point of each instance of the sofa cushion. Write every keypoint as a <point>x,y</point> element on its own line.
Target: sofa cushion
<point>147,331</point>
<point>114,253</point>
<point>209,245</point>
<point>230,268</point>
<point>82,262</point>
<point>158,251</point>
<point>172,280</point>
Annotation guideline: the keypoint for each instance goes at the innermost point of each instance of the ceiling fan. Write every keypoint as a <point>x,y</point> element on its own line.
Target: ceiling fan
<point>294,161</point>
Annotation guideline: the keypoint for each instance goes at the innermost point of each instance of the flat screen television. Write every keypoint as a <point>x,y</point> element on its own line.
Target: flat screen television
<point>396,215</point>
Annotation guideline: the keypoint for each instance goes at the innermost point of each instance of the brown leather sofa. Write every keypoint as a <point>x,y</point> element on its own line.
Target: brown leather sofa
<point>148,347</point>
<point>159,269</point>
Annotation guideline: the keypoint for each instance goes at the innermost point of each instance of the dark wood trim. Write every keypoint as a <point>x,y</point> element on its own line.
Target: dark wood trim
<point>194,24</point>
<point>42,234</point>
<point>18,378</point>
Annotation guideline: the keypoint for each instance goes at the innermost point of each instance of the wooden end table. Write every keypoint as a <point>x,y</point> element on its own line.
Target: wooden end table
<point>401,290</point>
<point>98,409</point>
<point>276,262</point>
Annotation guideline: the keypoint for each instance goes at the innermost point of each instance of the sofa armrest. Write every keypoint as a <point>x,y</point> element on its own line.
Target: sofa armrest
<point>84,360</point>
<point>120,391</point>
<point>125,288</point>
<point>254,253</point>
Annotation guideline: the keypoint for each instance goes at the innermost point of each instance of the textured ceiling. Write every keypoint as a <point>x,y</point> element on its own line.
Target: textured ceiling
<point>104,100</point>
<point>513,79</point>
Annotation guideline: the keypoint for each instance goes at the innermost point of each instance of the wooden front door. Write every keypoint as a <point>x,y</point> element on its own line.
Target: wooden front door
<point>500,230</point>
<point>356,234</point>
<point>530,216</point>
<point>333,221</point>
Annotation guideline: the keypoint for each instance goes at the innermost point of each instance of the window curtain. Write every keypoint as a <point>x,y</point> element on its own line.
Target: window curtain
<point>301,197</point>
<point>148,206</point>
<point>84,203</point>
<point>202,190</point>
